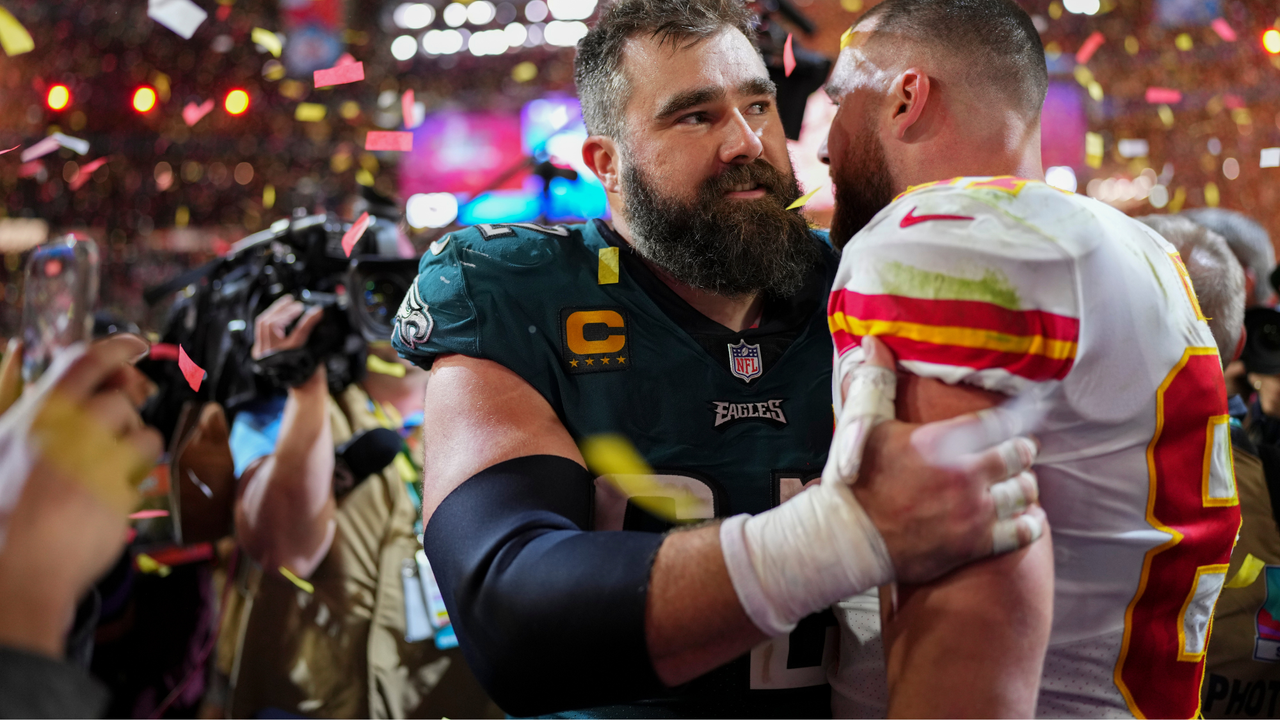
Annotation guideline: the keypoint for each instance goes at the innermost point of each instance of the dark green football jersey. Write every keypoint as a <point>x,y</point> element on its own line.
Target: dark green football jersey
<point>740,424</point>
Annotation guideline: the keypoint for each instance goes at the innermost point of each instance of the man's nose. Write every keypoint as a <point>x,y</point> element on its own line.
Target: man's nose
<point>822,152</point>
<point>741,144</point>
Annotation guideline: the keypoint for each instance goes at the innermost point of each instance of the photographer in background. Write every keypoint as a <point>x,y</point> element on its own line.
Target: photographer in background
<point>72,449</point>
<point>332,620</point>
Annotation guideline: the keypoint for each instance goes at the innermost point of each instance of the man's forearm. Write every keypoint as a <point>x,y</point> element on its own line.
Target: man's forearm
<point>694,622</point>
<point>286,511</point>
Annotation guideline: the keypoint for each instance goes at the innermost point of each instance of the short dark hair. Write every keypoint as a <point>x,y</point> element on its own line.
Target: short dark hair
<point>603,86</point>
<point>1248,240</point>
<point>996,39</point>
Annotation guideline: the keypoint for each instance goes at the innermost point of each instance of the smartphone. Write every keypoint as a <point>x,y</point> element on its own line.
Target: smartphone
<point>60,290</point>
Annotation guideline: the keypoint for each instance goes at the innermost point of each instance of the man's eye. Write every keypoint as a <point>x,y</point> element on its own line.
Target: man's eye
<point>759,108</point>
<point>692,119</point>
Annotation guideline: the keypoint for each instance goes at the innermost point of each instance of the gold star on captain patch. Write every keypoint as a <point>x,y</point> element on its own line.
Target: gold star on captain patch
<point>573,363</point>
<point>621,360</point>
<point>590,361</point>
<point>604,360</point>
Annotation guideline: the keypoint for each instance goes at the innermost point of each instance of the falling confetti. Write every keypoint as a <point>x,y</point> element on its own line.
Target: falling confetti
<point>1089,47</point>
<point>40,149</point>
<point>615,459</point>
<point>846,38</point>
<point>1093,149</point>
<point>13,37</point>
<point>607,274</point>
<point>788,58</point>
<point>149,565</point>
<point>1166,96</point>
<point>804,199</point>
<point>15,147</point>
<point>180,16</point>
<point>340,74</point>
<point>1223,29</point>
<point>268,40</point>
<point>388,140</point>
<point>377,365</point>
<point>86,171</point>
<point>148,514</point>
<point>302,584</point>
<point>407,110</point>
<point>1166,115</point>
<point>353,235</point>
<point>310,112</point>
<point>190,370</point>
<point>1249,571</point>
<point>1270,157</point>
<point>192,113</point>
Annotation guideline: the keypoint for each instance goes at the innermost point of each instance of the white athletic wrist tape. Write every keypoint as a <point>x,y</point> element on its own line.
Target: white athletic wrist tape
<point>815,549</point>
<point>868,403</point>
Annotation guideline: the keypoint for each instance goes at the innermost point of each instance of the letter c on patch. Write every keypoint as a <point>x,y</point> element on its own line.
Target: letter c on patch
<point>577,323</point>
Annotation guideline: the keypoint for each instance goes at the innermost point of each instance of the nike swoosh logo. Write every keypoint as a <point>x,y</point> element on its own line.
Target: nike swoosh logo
<point>911,218</point>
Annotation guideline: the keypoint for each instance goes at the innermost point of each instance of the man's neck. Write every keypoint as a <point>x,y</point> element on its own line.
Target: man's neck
<point>736,312</point>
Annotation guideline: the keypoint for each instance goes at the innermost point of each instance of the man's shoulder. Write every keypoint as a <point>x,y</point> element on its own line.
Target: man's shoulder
<point>504,245</point>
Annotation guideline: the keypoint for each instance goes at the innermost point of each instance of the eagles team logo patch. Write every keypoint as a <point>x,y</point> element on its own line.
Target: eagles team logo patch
<point>769,412</point>
<point>744,361</point>
<point>413,321</point>
<point>595,340</point>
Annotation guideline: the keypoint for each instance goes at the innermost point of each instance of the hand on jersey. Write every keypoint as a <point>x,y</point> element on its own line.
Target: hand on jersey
<point>941,494</point>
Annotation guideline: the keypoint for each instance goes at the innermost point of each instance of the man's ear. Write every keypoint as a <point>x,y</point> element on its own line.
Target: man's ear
<point>909,94</point>
<point>600,154</point>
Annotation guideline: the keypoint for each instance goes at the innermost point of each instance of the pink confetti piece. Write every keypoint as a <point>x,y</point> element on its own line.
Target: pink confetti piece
<point>192,113</point>
<point>788,58</point>
<point>40,149</point>
<point>393,140</point>
<point>148,514</point>
<point>406,109</point>
<point>346,59</point>
<point>1090,46</point>
<point>224,12</point>
<point>1233,102</point>
<point>1223,29</point>
<point>190,370</point>
<point>30,169</point>
<point>340,74</point>
<point>163,351</point>
<point>86,171</point>
<point>352,236</point>
<point>1167,96</point>
<point>15,147</point>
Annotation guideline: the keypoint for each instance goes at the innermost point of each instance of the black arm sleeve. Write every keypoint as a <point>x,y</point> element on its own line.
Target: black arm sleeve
<point>549,617</point>
<point>34,686</point>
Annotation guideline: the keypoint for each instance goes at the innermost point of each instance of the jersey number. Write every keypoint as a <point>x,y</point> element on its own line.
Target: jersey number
<point>1192,497</point>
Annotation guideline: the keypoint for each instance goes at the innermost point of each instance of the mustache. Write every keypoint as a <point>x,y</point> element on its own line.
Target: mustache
<point>757,172</point>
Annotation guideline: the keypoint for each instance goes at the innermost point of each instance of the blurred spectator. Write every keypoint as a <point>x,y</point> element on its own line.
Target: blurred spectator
<point>73,449</point>
<point>359,642</point>
<point>1239,662</point>
<point>1251,245</point>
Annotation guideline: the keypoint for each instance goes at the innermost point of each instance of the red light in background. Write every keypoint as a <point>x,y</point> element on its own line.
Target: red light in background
<point>59,97</point>
<point>144,99</point>
<point>237,102</point>
<point>1271,41</point>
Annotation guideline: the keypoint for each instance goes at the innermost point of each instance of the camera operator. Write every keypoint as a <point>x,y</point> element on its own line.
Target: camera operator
<point>73,449</point>
<point>341,646</point>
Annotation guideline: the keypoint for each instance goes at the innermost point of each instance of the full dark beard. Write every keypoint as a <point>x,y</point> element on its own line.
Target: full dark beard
<point>864,187</point>
<point>724,246</point>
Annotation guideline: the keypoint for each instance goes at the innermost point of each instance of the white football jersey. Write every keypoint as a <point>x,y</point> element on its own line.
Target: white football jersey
<point>1016,287</point>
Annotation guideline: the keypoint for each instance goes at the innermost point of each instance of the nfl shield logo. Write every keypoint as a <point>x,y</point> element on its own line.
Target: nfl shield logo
<point>744,361</point>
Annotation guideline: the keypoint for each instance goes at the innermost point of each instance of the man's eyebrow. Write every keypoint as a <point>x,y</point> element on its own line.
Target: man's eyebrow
<point>688,99</point>
<point>758,86</point>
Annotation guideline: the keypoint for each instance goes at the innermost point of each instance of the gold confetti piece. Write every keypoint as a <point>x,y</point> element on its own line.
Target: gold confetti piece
<point>1179,198</point>
<point>268,40</point>
<point>607,274</point>
<point>1183,42</point>
<point>1248,572</point>
<point>1166,115</point>
<point>1095,91</point>
<point>310,112</point>
<point>302,584</point>
<point>149,565</point>
<point>382,367</point>
<point>1055,10</point>
<point>1083,75</point>
<point>805,198</point>
<point>1131,45</point>
<point>268,196</point>
<point>1093,149</point>
<point>615,459</point>
<point>846,38</point>
<point>853,6</point>
<point>1211,196</point>
<point>13,37</point>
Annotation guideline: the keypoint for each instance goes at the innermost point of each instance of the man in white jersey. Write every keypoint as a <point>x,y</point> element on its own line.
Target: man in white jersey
<point>987,284</point>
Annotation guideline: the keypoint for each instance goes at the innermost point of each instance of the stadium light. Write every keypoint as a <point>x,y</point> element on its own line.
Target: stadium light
<point>144,99</point>
<point>237,102</point>
<point>1271,41</point>
<point>58,98</point>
